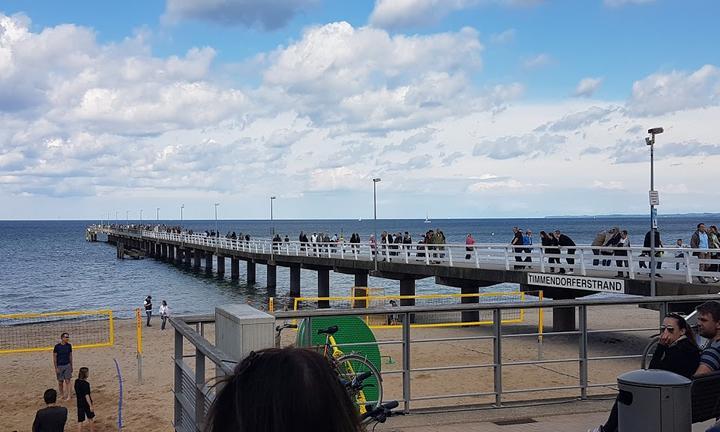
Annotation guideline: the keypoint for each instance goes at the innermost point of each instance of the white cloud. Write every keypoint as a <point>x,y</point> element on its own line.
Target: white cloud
<point>393,14</point>
<point>587,87</point>
<point>662,93</point>
<point>104,125</point>
<point>618,3</point>
<point>608,185</point>
<point>526,146</point>
<point>537,61</point>
<point>500,185</point>
<point>503,37</point>
<point>268,14</point>
<point>364,78</point>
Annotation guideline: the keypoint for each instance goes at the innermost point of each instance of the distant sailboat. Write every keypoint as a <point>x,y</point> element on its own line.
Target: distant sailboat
<point>427,220</point>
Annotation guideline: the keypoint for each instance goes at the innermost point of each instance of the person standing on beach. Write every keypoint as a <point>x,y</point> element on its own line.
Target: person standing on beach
<point>63,363</point>
<point>52,418</point>
<point>84,401</point>
<point>164,314</point>
<point>148,309</point>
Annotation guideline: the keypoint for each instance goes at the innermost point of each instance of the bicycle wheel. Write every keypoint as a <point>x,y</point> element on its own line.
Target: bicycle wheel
<point>351,365</point>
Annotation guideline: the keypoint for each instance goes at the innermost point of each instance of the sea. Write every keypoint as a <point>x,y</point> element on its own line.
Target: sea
<point>49,266</point>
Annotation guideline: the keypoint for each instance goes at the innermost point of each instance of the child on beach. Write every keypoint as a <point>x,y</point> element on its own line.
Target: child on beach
<point>84,401</point>
<point>164,314</point>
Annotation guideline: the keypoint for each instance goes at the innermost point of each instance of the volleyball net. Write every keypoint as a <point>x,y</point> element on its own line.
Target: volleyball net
<point>375,298</point>
<point>30,332</point>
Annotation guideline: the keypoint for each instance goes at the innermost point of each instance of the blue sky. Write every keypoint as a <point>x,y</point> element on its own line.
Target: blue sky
<point>466,108</point>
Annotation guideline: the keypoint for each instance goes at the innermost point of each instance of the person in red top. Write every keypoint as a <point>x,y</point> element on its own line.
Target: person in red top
<point>469,242</point>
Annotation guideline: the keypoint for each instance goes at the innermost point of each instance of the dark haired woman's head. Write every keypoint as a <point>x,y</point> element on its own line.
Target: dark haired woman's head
<point>677,326</point>
<point>277,390</point>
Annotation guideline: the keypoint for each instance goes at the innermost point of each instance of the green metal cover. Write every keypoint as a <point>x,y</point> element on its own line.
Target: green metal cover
<point>351,329</point>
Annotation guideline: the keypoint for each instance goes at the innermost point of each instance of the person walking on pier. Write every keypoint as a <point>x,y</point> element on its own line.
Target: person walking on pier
<point>516,241</point>
<point>469,245</point>
<point>164,314</point>
<point>148,309</point>
<point>624,243</point>
<point>700,240</point>
<point>564,240</point>
<point>63,363</point>
<point>527,241</point>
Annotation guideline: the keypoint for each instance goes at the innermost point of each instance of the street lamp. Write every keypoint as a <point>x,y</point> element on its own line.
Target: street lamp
<point>375,182</point>
<point>140,215</point>
<point>182,206</point>
<point>272,226</point>
<point>157,213</point>
<point>272,222</point>
<point>654,200</point>
<point>127,217</point>
<point>216,224</point>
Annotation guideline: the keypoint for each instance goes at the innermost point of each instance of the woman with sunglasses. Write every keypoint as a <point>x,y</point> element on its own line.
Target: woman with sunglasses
<point>676,352</point>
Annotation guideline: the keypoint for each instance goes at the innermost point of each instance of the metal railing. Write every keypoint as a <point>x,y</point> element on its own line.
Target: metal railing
<point>586,260</point>
<point>191,385</point>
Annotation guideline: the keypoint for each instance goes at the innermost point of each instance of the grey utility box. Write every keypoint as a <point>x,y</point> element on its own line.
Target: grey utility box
<point>240,329</point>
<point>654,401</point>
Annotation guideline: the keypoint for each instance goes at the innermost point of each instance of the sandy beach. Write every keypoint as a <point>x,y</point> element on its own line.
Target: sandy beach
<point>149,405</point>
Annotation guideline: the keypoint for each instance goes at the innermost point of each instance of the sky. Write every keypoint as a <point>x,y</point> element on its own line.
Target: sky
<point>463,108</point>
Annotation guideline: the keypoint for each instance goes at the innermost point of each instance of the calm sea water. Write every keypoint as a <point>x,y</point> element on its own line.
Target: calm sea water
<point>48,265</point>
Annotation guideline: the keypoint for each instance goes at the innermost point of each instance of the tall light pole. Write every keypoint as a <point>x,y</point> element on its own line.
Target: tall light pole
<point>157,213</point>
<point>182,206</point>
<point>140,215</point>
<point>654,200</point>
<point>216,224</point>
<point>272,221</point>
<point>375,182</point>
<point>127,217</point>
<point>272,226</point>
<point>117,217</point>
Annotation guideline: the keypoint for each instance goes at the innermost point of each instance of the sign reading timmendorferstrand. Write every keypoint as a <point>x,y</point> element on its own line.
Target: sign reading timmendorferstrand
<point>577,282</point>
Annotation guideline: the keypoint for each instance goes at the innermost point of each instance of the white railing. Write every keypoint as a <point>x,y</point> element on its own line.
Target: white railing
<point>674,263</point>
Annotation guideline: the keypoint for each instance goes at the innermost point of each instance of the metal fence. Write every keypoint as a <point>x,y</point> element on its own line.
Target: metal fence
<point>191,384</point>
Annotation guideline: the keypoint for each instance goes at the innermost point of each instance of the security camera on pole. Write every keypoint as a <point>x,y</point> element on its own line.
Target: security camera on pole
<point>654,201</point>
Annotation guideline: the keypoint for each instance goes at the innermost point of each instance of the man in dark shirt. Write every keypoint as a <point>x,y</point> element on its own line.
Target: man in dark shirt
<point>564,240</point>
<point>52,418</point>
<point>62,360</point>
<point>148,309</point>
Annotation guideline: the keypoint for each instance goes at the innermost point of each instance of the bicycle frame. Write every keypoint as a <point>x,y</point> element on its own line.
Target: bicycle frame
<point>336,353</point>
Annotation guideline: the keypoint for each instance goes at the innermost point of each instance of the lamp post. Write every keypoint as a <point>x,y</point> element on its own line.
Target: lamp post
<point>375,182</point>
<point>272,222</point>
<point>157,213</point>
<point>216,223</point>
<point>117,217</point>
<point>127,217</point>
<point>272,227</point>
<point>141,216</point>
<point>182,206</point>
<point>654,200</point>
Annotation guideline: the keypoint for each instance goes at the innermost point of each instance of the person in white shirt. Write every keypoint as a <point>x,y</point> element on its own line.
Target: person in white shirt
<point>164,314</point>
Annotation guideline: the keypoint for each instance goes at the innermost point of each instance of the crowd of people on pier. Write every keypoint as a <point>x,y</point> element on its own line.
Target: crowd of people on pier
<point>610,247</point>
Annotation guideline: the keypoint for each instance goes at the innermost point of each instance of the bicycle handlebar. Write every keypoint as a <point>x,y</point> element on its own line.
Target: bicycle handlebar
<point>382,412</point>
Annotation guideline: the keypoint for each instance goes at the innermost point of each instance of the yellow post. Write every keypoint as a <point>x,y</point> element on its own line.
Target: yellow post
<point>138,319</point>
<point>541,326</point>
<point>112,328</point>
<point>271,304</point>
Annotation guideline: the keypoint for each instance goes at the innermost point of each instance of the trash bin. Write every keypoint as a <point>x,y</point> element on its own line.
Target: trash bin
<point>654,401</point>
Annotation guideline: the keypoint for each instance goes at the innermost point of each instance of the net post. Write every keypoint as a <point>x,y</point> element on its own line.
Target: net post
<point>138,320</point>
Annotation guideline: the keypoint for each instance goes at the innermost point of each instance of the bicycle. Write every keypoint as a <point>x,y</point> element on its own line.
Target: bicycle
<point>355,372</point>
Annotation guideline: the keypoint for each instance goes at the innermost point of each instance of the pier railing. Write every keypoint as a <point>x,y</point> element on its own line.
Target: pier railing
<point>586,260</point>
<point>497,365</point>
